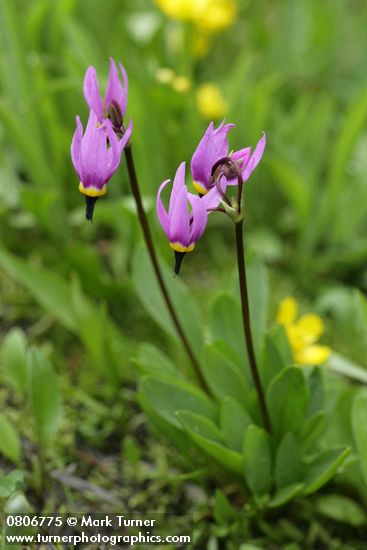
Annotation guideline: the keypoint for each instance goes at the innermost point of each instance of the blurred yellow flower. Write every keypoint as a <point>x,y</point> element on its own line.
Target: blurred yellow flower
<point>302,333</point>
<point>217,15</point>
<point>164,75</point>
<point>210,15</point>
<point>210,101</point>
<point>181,84</point>
<point>180,9</point>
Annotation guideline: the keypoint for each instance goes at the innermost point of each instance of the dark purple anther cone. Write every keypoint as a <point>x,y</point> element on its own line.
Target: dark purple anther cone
<point>89,207</point>
<point>179,256</point>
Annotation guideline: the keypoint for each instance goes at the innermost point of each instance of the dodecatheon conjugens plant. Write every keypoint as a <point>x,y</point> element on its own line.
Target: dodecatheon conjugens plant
<point>96,156</point>
<point>213,147</point>
<point>182,227</point>
<point>213,169</point>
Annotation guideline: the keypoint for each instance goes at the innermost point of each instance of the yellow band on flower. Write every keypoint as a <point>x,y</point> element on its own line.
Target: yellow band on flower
<point>92,191</point>
<point>178,247</point>
<point>199,187</point>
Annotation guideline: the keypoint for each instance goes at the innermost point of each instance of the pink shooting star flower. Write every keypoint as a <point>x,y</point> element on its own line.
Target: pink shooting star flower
<point>96,156</point>
<point>182,226</point>
<point>213,147</point>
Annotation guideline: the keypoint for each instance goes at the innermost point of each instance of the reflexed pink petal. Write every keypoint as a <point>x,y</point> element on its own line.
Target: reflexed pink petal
<point>92,93</point>
<point>255,158</point>
<point>179,229</point>
<point>161,211</point>
<point>76,145</point>
<point>178,185</point>
<point>199,217</point>
<point>242,156</point>
<point>212,147</point>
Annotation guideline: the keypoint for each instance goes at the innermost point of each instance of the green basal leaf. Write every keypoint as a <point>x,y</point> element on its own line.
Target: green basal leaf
<point>271,360</point>
<point>167,396</point>
<point>234,420</point>
<point>200,425</point>
<point>222,508</point>
<point>279,338</point>
<point>287,398</point>
<point>322,468</point>
<point>11,483</point>
<point>312,428</point>
<point>288,462</point>
<point>10,445</point>
<point>286,494</point>
<point>151,360</point>
<point>341,508</point>
<point>226,317</point>
<point>223,376</point>
<point>207,437</point>
<point>258,291</point>
<point>359,426</point>
<point>226,323</point>
<point>257,460</point>
<point>162,426</point>
<point>13,355</point>
<point>45,395</point>
<point>315,391</point>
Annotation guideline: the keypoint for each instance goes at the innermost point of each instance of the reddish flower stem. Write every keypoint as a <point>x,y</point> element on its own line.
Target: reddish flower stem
<point>242,279</point>
<point>228,162</point>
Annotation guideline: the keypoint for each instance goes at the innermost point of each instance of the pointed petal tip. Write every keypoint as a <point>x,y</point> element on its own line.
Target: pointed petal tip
<point>91,91</point>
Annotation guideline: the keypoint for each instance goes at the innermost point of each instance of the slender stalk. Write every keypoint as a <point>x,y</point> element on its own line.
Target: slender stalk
<point>157,270</point>
<point>246,324</point>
